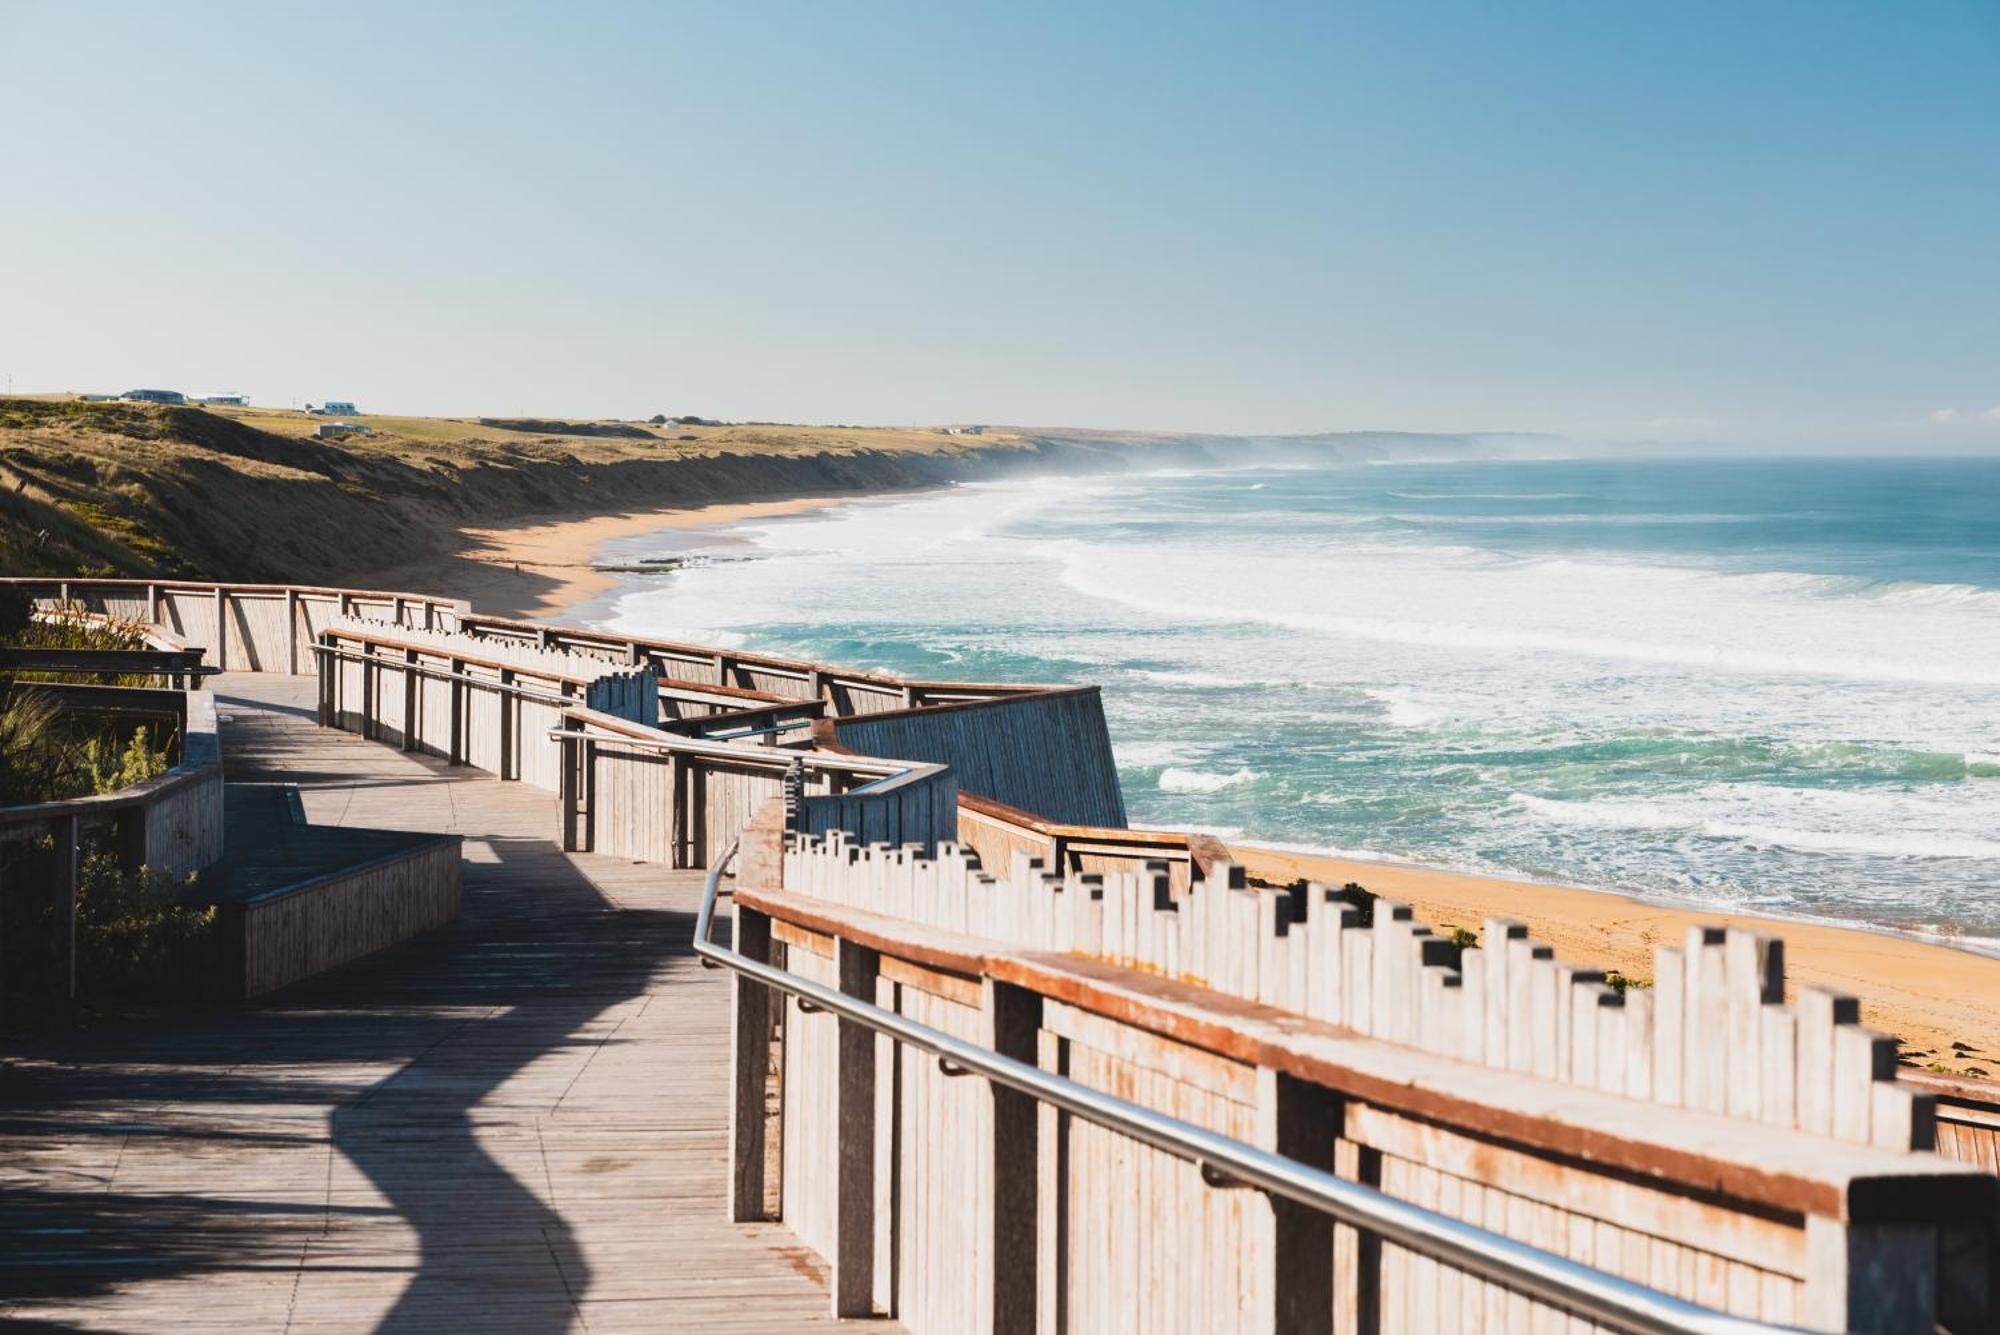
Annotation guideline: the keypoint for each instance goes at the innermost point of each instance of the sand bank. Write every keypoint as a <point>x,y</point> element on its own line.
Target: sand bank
<point>541,568</point>
<point>1928,995</point>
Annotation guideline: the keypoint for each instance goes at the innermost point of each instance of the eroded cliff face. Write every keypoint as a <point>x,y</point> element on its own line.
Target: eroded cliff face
<point>138,490</point>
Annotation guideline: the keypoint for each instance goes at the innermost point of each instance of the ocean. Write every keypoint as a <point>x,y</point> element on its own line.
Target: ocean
<point>1770,684</point>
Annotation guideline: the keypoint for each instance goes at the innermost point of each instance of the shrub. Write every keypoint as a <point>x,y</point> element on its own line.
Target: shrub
<point>136,939</point>
<point>38,761</point>
<point>113,767</point>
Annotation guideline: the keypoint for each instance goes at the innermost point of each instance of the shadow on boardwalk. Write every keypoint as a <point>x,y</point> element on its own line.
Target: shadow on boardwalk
<point>195,1144</point>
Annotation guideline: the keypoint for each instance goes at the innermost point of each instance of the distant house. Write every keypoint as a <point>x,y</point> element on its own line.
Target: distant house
<point>226,400</point>
<point>965,430</point>
<point>154,396</point>
<point>338,408</point>
<point>335,430</point>
<point>98,398</point>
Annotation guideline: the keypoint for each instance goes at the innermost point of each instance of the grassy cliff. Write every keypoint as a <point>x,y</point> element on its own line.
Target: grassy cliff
<point>250,494</point>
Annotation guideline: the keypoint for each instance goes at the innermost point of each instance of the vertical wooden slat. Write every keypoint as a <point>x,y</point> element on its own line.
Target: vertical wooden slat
<point>1705,1065</point>
<point>1755,965</point>
<point>1013,1020</point>
<point>750,1021</point>
<point>1299,1121</point>
<point>1821,1015</point>
<point>1861,1056</point>
<point>854,1128</point>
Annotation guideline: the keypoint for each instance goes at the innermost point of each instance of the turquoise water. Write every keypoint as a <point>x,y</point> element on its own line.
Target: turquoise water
<point>1770,683</point>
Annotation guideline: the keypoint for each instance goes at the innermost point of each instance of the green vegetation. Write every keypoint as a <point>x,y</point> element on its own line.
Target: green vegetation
<point>47,755</point>
<point>1620,982</point>
<point>252,494</point>
<point>135,939</point>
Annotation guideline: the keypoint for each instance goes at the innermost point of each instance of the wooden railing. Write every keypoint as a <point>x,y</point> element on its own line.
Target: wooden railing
<point>472,701</point>
<point>245,627</point>
<point>655,796</point>
<point>998,832</point>
<point>171,824</point>
<point>846,691</point>
<point>1968,1115</point>
<point>1354,1049</point>
<point>1046,751</point>
<point>179,669</point>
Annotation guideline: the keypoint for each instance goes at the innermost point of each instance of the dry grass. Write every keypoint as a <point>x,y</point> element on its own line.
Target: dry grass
<point>250,493</point>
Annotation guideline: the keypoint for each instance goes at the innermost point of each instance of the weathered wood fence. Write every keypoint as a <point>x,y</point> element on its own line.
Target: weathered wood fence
<point>996,832</point>
<point>656,796</point>
<point>491,705</point>
<point>1048,752</point>
<point>245,627</point>
<point>1708,1140</point>
<point>845,690</point>
<point>297,930</point>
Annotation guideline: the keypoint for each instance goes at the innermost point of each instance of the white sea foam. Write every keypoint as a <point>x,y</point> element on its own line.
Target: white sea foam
<point>1404,711</point>
<point>1642,815</point>
<point>1174,779</point>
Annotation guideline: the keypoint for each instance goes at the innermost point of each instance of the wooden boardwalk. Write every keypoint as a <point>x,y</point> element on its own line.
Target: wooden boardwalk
<point>516,1123</point>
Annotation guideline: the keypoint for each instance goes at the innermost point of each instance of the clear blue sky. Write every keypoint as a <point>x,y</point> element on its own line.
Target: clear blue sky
<point>1740,221</point>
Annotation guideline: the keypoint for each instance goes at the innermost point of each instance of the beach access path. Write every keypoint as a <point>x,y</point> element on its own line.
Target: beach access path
<point>515,1123</point>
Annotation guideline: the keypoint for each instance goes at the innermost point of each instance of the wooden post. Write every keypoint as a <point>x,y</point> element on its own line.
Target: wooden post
<point>569,789</point>
<point>677,813</point>
<point>329,686</point>
<point>587,791</point>
<point>153,605</point>
<point>292,631</point>
<point>1877,1278</point>
<point>69,870</point>
<point>1295,1278</point>
<point>456,755</point>
<point>750,1040</point>
<point>505,704</point>
<point>369,677</point>
<point>1012,1017</point>
<point>412,699</point>
<point>221,628</point>
<point>854,1191</point>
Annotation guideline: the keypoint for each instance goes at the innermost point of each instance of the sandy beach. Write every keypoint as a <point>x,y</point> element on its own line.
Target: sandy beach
<point>544,568</point>
<point>1931,996</point>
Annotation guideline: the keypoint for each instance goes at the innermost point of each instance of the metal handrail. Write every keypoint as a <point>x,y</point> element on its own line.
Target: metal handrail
<point>1516,1265</point>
